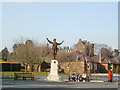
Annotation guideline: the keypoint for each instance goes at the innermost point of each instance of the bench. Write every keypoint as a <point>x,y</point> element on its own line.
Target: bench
<point>23,76</point>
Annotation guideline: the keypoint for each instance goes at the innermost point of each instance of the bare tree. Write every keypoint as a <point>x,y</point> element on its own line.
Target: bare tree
<point>106,52</point>
<point>31,54</point>
<point>63,56</point>
<point>44,54</point>
<point>116,52</point>
<point>20,55</point>
<point>5,54</point>
<point>26,53</point>
<point>98,47</point>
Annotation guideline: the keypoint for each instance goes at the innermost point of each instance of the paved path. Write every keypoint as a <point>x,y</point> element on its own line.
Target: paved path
<point>46,84</point>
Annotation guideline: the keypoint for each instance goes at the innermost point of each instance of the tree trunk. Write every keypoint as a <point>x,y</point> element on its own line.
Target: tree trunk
<point>25,68</point>
<point>39,68</point>
<point>32,68</point>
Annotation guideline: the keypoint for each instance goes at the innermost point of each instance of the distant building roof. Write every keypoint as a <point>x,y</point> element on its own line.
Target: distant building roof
<point>79,57</point>
<point>96,58</point>
<point>106,59</point>
<point>115,60</point>
<point>76,55</point>
<point>89,59</point>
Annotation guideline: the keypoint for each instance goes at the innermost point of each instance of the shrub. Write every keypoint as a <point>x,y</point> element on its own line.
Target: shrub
<point>117,70</point>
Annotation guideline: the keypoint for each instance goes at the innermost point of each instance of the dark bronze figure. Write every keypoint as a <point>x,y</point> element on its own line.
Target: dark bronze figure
<point>54,46</point>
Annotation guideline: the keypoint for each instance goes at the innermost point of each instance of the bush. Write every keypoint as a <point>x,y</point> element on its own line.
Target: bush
<point>117,70</point>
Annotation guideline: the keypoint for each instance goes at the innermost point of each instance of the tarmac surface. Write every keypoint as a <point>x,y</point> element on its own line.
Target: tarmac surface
<point>63,84</point>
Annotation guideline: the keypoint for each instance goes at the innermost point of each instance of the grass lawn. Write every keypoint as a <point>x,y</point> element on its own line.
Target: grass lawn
<point>34,73</point>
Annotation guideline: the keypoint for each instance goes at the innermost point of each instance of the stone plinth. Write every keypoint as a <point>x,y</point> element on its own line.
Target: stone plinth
<point>53,76</point>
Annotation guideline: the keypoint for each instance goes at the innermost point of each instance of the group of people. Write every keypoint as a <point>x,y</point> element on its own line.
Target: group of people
<point>77,77</point>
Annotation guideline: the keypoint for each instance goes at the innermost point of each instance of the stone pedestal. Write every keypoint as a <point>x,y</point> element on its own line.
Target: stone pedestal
<point>53,76</point>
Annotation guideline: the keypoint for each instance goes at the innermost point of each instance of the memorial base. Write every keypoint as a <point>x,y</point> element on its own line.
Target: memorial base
<point>53,76</point>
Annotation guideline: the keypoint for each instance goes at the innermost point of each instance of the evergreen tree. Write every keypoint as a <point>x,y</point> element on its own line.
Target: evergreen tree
<point>5,53</point>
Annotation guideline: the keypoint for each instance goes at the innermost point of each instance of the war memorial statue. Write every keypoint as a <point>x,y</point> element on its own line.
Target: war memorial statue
<point>53,75</point>
<point>54,46</point>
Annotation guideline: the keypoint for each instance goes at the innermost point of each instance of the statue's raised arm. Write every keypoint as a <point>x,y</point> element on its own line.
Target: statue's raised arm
<point>60,43</point>
<point>49,41</point>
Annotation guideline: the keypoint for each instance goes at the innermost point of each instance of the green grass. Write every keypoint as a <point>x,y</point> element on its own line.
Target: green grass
<point>63,74</point>
<point>34,73</point>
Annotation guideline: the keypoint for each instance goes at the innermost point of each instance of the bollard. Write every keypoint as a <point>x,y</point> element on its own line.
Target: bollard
<point>110,76</point>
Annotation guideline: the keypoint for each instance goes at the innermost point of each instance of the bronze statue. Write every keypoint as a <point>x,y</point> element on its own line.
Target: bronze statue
<point>54,46</point>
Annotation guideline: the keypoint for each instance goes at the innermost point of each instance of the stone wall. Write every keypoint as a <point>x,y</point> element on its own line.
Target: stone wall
<point>70,67</point>
<point>79,67</point>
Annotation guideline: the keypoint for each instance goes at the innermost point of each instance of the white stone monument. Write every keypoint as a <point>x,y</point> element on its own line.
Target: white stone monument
<point>53,76</point>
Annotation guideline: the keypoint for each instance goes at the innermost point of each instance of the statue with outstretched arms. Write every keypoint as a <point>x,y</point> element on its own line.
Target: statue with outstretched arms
<point>54,46</point>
